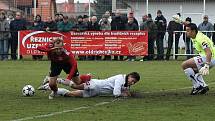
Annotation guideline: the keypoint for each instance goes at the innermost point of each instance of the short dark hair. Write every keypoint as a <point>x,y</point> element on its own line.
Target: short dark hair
<point>80,16</point>
<point>188,19</point>
<point>65,17</point>
<point>193,26</point>
<point>133,75</point>
<point>179,14</point>
<point>85,16</point>
<point>159,11</point>
<point>149,15</point>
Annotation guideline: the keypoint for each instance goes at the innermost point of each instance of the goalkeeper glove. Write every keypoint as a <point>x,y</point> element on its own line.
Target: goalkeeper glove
<point>205,70</point>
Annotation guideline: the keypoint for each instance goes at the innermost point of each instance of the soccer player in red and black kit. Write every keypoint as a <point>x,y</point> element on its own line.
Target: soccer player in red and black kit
<point>61,59</point>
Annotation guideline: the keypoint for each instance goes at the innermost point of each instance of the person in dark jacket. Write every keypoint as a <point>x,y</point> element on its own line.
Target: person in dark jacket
<point>65,25</point>
<point>131,14</point>
<point>151,27</point>
<point>131,26</point>
<point>173,25</point>
<point>118,23</point>
<point>56,18</point>
<point>161,23</point>
<point>206,26</point>
<point>86,20</point>
<point>38,25</point>
<point>80,26</point>
<point>50,25</point>
<point>16,25</point>
<point>94,26</point>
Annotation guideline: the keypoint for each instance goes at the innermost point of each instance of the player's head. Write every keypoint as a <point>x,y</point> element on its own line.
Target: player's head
<point>132,78</point>
<point>191,30</point>
<point>57,46</point>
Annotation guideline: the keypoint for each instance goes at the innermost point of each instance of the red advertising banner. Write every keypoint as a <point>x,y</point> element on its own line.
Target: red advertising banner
<point>30,40</point>
<point>88,42</point>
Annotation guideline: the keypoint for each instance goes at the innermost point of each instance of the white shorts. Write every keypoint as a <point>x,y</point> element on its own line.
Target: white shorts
<point>91,88</point>
<point>201,60</point>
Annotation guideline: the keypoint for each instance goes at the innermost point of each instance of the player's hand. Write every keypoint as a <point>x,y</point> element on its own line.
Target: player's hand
<point>126,94</point>
<point>204,70</point>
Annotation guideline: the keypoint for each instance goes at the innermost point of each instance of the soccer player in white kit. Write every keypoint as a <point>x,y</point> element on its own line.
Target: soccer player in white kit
<point>117,85</point>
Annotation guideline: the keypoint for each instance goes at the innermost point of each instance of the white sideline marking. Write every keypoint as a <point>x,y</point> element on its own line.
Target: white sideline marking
<point>51,114</point>
<point>87,107</point>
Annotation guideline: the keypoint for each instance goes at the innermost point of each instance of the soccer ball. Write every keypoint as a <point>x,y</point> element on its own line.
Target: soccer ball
<point>28,90</point>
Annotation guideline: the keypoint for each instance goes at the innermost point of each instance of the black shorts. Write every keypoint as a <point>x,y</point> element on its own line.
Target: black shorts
<point>56,69</point>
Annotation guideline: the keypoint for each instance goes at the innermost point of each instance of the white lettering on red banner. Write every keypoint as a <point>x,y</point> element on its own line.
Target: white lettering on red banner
<point>88,42</point>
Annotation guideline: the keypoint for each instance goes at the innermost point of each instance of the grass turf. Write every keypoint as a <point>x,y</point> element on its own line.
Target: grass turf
<point>160,97</point>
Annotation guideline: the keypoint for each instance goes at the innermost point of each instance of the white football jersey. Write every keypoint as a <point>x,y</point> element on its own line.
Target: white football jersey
<point>112,85</point>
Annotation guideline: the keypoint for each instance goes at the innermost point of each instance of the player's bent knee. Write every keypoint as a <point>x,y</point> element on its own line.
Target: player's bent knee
<point>53,83</point>
<point>184,65</point>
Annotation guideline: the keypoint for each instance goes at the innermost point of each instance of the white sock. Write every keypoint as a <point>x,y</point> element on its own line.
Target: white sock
<point>62,91</point>
<point>200,79</point>
<point>191,76</point>
<point>64,82</point>
<point>46,86</point>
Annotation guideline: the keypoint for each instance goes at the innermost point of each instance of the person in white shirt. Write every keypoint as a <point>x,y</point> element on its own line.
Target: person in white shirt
<point>116,86</point>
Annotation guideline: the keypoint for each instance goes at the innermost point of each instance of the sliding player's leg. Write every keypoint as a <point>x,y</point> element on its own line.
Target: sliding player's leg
<point>66,93</point>
<point>76,93</point>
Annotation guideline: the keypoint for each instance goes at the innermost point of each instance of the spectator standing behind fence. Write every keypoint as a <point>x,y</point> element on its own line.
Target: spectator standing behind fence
<point>79,27</point>
<point>4,36</point>
<point>118,23</point>
<point>174,25</point>
<point>16,25</point>
<point>161,23</point>
<point>108,15</point>
<point>206,26</point>
<point>187,40</point>
<point>50,25</point>
<point>94,26</point>
<point>131,26</point>
<point>151,27</point>
<point>61,17</point>
<point>9,19</point>
<point>86,21</point>
<point>38,25</point>
<point>144,20</point>
<point>131,14</point>
<point>56,18</point>
<point>105,25</point>
<point>65,25</point>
